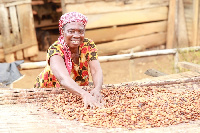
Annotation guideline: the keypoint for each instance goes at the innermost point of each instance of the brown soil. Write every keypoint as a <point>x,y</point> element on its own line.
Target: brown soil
<point>113,72</point>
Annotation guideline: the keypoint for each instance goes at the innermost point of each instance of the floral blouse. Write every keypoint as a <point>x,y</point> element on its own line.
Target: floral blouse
<point>79,73</point>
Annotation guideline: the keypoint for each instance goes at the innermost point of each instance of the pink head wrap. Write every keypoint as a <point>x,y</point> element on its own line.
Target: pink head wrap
<point>64,19</point>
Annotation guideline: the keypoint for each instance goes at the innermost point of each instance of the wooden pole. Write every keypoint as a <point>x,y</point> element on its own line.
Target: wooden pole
<point>171,24</point>
<point>131,67</point>
<point>33,65</point>
<point>195,22</point>
<point>176,59</point>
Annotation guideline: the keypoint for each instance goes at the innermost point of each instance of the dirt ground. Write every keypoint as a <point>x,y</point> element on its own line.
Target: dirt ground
<point>113,72</point>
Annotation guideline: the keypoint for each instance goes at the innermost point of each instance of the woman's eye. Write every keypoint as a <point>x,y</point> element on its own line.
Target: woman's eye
<point>70,31</point>
<point>81,31</point>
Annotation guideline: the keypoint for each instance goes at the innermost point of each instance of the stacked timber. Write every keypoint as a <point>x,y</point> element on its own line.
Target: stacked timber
<point>116,25</point>
<point>17,33</point>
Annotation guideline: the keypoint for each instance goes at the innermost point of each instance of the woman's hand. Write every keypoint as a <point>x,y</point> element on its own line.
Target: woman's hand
<point>90,100</point>
<point>97,94</point>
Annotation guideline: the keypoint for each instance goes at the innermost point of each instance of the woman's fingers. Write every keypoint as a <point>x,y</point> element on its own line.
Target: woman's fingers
<point>92,101</point>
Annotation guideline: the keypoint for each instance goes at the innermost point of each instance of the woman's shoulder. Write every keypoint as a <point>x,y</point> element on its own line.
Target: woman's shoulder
<point>88,42</point>
<point>55,45</point>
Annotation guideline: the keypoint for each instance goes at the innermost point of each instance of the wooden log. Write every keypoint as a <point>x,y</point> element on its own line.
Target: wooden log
<point>146,41</point>
<point>171,24</point>
<point>112,6</point>
<point>123,18</point>
<point>146,54</point>
<point>190,66</point>
<point>122,32</point>
<point>41,64</point>
<point>33,65</point>
<point>182,29</point>
<point>195,22</point>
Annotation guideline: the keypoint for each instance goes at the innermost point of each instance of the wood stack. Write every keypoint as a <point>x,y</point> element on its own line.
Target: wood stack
<point>17,37</point>
<point>116,25</point>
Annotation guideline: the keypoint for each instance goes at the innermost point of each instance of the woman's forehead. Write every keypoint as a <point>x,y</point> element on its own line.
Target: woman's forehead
<point>74,25</point>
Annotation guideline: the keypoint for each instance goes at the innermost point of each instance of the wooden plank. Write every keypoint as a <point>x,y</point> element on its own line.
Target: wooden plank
<point>46,23</point>
<point>145,41</point>
<point>18,3</point>
<point>182,29</point>
<point>15,31</point>
<point>15,25</point>
<point>122,32</point>
<point>63,6</point>
<point>188,16</point>
<point>195,22</point>
<point>18,47</point>
<point>112,6</point>
<point>4,27</point>
<point>189,65</point>
<point>171,24</point>
<point>9,1</point>
<point>27,28</point>
<point>26,23</point>
<point>78,1</point>
<point>123,18</point>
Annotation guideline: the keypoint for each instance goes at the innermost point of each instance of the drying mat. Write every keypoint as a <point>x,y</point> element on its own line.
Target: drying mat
<point>25,116</point>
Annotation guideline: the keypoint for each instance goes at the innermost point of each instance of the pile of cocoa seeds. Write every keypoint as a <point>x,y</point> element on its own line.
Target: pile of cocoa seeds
<point>130,107</point>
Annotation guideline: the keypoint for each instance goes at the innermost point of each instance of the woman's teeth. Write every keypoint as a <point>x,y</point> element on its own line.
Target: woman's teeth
<point>75,41</point>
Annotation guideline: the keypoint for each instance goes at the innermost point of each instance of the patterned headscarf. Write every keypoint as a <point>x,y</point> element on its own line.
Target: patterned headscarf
<point>64,19</point>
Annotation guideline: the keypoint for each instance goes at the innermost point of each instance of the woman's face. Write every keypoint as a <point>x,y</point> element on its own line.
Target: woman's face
<point>74,33</point>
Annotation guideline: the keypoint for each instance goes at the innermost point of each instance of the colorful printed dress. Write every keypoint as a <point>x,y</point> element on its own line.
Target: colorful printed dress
<point>79,73</point>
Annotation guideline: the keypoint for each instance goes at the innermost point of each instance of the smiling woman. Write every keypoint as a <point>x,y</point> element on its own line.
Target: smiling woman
<point>68,60</point>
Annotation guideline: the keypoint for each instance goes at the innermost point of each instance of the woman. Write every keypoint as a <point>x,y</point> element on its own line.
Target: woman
<point>68,59</point>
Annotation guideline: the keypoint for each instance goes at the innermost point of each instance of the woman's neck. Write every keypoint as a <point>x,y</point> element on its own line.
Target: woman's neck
<point>74,50</point>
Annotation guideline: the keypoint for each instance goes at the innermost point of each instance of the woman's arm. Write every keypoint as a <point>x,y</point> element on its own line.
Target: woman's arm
<point>60,71</point>
<point>96,72</point>
<point>97,77</point>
